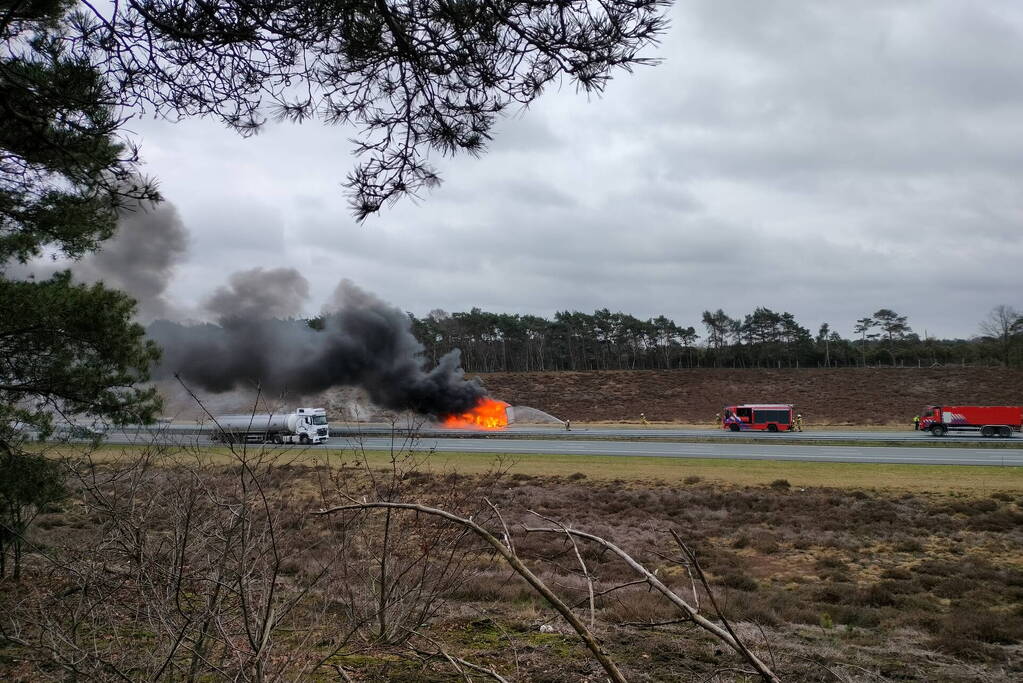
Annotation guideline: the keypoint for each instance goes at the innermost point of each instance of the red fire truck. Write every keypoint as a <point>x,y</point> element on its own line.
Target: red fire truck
<point>771,417</point>
<point>999,421</point>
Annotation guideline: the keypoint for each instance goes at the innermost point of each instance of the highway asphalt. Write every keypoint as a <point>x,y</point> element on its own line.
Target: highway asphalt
<point>759,450</point>
<point>637,433</point>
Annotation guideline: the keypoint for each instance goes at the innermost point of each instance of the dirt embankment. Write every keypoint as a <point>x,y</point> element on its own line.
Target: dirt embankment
<point>854,396</point>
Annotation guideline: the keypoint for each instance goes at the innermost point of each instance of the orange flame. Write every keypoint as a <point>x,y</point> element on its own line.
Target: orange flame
<point>487,414</point>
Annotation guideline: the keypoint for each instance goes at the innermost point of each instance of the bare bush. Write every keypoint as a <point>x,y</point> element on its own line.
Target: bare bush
<point>186,556</point>
<point>399,569</point>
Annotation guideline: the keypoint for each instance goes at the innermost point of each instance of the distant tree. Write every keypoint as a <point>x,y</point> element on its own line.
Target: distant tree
<point>1004,324</point>
<point>607,340</point>
<point>893,326</point>
<point>688,337</point>
<point>538,332</point>
<point>719,326</point>
<point>667,335</point>
<point>823,338</point>
<point>863,327</point>
<point>796,338</point>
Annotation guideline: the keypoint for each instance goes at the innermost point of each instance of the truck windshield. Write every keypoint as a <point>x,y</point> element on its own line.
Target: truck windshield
<point>318,419</point>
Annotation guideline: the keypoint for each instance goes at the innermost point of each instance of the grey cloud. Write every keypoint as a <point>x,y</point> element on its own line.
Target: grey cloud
<point>533,193</point>
<point>524,133</point>
<point>228,231</point>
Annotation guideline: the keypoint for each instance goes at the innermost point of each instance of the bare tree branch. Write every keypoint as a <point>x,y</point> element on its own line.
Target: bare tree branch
<point>587,637</point>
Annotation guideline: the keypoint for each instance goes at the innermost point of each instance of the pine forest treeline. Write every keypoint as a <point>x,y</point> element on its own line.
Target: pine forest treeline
<point>501,342</point>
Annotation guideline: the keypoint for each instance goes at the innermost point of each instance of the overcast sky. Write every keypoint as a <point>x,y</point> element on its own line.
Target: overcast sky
<point>823,158</point>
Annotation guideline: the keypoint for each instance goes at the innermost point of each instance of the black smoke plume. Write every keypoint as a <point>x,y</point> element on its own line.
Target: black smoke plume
<point>258,293</point>
<point>364,342</point>
<point>140,259</point>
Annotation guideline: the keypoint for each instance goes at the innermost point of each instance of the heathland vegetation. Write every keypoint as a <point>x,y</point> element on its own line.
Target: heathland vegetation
<point>197,563</point>
<point>825,396</point>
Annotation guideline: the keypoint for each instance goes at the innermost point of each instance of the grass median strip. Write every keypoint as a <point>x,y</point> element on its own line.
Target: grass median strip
<point>785,441</point>
<point>973,480</point>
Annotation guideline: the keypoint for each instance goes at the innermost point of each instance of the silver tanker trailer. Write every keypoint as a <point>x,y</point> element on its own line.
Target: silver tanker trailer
<point>304,426</point>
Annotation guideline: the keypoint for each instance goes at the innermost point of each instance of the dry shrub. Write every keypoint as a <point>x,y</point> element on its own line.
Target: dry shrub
<point>792,607</point>
<point>908,545</point>
<point>637,605</point>
<point>856,615</point>
<point>897,573</point>
<point>952,587</point>
<point>836,574</point>
<point>1000,520</point>
<point>765,542</point>
<point>831,561</point>
<point>878,595</point>
<point>903,586</point>
<point>962,632</point>
<point>492,586</point>
<point>739,581</point>
<point>750,606</point>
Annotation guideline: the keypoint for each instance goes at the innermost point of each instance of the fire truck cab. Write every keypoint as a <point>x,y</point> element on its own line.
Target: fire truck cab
<point>769,417</point>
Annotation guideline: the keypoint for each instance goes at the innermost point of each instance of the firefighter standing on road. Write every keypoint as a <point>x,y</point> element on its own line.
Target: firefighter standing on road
<point>916,423</point>
<point>642,417</point>
<point>717,420</point>
<point>799,422</point>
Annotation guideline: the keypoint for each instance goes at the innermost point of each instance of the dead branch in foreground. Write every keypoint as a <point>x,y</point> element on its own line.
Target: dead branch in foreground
<point>584,633</point>
<point>725,634</point>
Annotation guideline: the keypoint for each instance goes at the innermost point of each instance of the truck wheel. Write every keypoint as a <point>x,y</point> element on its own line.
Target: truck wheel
<point>937,430</point>
<point>987,431</point>
<point>278,439</point>
<point>734,428</point>
<point>772,428</point>
<point>1005,432</point>
<point>304,439</point>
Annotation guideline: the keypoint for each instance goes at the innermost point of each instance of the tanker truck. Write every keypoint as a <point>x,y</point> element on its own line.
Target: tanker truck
<point>304,426</point>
